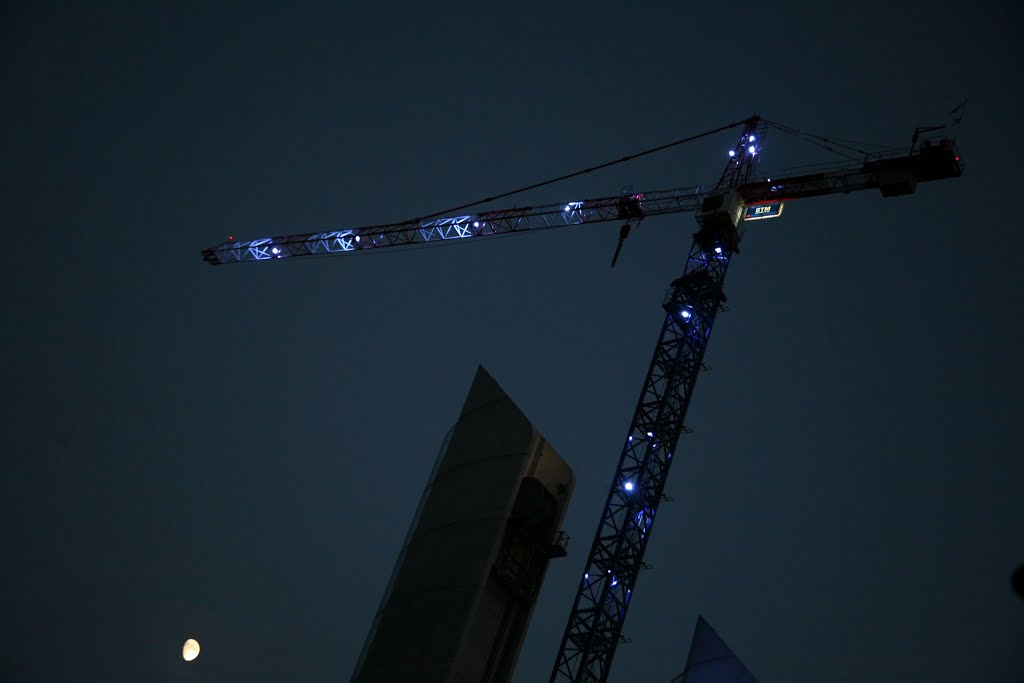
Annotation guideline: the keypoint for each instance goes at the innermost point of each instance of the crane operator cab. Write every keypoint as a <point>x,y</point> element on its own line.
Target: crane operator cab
<point>719,217</point>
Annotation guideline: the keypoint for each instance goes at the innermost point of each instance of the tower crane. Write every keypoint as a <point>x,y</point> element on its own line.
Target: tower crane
<point>690,305</point>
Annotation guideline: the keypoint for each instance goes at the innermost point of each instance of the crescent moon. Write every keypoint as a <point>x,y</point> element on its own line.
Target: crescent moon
<point>190,650</point>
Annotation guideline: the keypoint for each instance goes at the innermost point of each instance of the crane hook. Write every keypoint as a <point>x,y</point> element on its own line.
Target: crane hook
<point>623,234</point>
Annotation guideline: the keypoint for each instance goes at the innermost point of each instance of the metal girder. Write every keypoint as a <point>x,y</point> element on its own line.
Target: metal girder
<point>616,556</point>
<point>628,207</point>
<point>893,173</point>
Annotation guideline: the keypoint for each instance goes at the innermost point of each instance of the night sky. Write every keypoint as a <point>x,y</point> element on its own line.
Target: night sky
<point>235,453</point>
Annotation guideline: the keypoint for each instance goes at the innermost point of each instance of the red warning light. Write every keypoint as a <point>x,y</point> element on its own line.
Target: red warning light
<point>231,238</point>
<point>958,158</point>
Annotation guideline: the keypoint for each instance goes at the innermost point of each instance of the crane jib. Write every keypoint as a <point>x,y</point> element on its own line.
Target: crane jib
<point>893,175</point>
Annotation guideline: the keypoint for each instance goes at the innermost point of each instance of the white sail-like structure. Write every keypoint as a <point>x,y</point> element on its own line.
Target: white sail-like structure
<point>711,661</point>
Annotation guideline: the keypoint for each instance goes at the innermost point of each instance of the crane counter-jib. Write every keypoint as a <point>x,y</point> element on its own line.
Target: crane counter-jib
<point>894,176</point>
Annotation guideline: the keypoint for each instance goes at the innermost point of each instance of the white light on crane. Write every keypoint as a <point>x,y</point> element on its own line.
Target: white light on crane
<point>751,149</point>
<point>628,486</point>
<point>732,153</point>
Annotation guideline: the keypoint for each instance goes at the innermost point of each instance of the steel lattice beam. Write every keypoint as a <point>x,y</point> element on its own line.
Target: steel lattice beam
<point>894,173</point>
<point>616,556</point>
<point>628,207</point>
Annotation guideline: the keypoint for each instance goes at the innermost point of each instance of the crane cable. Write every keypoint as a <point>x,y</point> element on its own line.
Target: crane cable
<point>814,139</point>
<point>591,169</point>
<point>826,142</point>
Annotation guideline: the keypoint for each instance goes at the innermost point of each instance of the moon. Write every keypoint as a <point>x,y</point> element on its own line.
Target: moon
<point>190,650</point>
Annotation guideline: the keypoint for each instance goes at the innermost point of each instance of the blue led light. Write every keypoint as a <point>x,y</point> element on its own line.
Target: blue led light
<point>718,250</point>
<point>752,138</point>
<point>650,434</point>
<point>751,149</point>
<point>456,227</point>
<point>628,486</point>
<point>331,242</point>
<point>685,314</point>
<point>732,153</point>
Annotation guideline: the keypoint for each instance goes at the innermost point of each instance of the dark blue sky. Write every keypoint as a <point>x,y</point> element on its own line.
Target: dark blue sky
<point>235,453</point>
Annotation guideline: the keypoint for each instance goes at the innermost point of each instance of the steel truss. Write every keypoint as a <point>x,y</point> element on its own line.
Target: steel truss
<point>895,173</point>
<point>627,207</point>
<point>616,557</point>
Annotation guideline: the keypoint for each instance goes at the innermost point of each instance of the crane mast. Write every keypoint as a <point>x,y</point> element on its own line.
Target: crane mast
<point>690,305</point>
